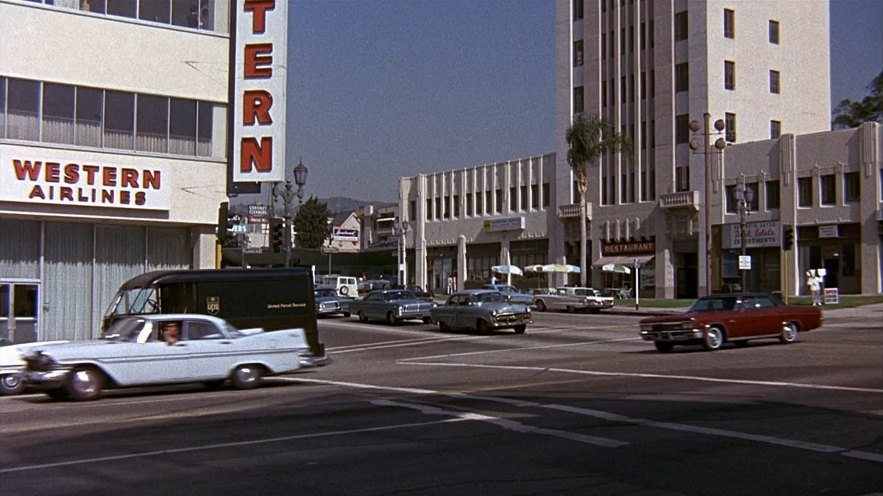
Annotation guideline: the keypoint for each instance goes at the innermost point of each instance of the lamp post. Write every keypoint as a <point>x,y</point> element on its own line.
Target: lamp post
<point>744,196</point>
<point>287,195</point>
<point>719,146</point>
<point>400,229</point>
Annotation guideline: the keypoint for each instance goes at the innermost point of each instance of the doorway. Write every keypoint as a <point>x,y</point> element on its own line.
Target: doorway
<point>19,301</point>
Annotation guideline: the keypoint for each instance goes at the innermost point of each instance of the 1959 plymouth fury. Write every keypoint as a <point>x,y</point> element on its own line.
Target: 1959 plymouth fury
<point>717,319</point>
<point>165,349</point>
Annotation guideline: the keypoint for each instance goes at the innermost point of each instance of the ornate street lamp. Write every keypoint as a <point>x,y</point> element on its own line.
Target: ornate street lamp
<point>287,195</point>
<point>719,145</point>
<point>744,197</point>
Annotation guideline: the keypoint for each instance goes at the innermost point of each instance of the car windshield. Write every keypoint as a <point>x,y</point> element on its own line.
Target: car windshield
<point>713,304</point>
<point>398,295</point>
<point>127,330</point>
<point>325,292</point>
<point>132,302</point>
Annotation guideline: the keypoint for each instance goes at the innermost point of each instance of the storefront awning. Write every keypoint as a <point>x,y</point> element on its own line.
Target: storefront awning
<point>628,261</point>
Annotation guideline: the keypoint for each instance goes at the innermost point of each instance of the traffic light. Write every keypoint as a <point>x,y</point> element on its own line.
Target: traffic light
<point>277,235</point>
<point>788,239</point>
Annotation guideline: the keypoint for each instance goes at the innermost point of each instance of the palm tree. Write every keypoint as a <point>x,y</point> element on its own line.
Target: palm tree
<point>589,138</point>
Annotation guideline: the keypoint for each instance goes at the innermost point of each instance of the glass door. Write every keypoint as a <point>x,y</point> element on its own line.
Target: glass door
<point>18,311</point>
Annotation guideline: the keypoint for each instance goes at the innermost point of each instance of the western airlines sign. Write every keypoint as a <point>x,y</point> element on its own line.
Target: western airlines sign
<point>39,176</point>
<point>259,90</point>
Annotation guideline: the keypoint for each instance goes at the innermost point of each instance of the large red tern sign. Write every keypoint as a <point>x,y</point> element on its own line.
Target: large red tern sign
<point>259,91</point>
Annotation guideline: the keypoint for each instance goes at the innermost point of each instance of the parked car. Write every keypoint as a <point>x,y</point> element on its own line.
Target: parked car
<point>12,365</point>
<point>511,292</point>
<point>391,305</point>
<point>344,285</point>
<point>420,292</point>
<point>571,300</point>
<point>373,284</point>
<point>481,310</point>
<point>136,351</point>
<point>717,319</point>
<point>328,303</point>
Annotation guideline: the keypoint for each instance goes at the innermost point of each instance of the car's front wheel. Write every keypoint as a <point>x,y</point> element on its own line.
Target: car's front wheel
<point>789,333</point>
<point>713,339</point>
<point>84,384</point>
<point>362,317</point>
<point>247,376</point>
<point>11,384</point>
<point>482,327</point>
<point>541,305</point>
<point>391,318</point>
<point>519,329</point>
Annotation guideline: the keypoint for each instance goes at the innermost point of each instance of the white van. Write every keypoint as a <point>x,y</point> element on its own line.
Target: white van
<point>345,286</point>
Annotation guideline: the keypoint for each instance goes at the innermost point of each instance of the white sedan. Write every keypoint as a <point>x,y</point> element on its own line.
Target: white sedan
<point>136,351</point>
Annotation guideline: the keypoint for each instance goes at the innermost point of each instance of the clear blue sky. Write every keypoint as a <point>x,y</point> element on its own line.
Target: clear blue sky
<point>391,88</point>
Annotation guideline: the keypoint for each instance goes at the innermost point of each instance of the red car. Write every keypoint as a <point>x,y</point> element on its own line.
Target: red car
<point>714,320</point>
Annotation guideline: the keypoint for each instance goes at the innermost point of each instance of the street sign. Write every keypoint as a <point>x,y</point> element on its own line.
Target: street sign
<point>744,262</point>
<point>238,228</point>
<point>330,249</point>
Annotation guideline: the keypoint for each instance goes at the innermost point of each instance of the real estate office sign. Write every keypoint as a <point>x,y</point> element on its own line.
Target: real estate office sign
<point>259,74</point>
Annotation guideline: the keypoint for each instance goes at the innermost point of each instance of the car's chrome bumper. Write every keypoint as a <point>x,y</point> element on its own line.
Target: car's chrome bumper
<point>46,379</point>
<point>672,335</point>
<point>510,320</point>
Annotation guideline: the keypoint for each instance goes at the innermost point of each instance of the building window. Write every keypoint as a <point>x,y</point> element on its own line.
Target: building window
<point>603,45</point>
<point>478,203</point>
<point>184,13</point>
<point>578,53</point>
<point>23,110</point>
<point>729,24</point>
<point>729,75</point>
<point>89,117</point>
<point>429,209</point>
<point>643,85</point>
<point>730,120</point>
<point>456,206</point>
<point>119,120</point>
<point>546,195</point>
<point>682,77</point>
<point>827,190</point>
<point>775,129</point>
<point>604,93</point>
<point>578,100</point>
<point>804,192</point>
<point>643,36</point>
<point>469,211</point>
<point>682,128</point>
<point>774,82</point>
<point>622,41</point>
<point>578,9</point>
<point>852,187</point>
<point>488,203</point>
<point>681,26</point>
<point>535,196</point>
<point>631,87</point>
<point>58,113</point>
<point>513,199</point>
<point>651,35</point>
<point>499,202</point>
<point>652,83</point>
<point>631,39</point>
<point>732,199</point>
<point>152,124</point>
<point>774,32</point>
<point>772,195</point>
<point>523,198</point>
<point>622,89</point>
<point>682,178</point>
<point>611,45</point>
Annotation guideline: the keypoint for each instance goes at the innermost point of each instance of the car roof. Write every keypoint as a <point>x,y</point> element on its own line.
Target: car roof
<point>475,291</point>
<point>165,317</point>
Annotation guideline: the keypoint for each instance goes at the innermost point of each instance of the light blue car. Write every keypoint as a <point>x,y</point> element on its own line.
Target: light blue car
<point>512,293</point>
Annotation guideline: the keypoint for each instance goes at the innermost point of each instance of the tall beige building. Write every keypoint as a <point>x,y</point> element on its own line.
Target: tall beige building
<point>650,67</point>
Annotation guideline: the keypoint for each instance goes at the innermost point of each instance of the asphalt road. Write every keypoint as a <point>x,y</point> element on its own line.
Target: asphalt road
<point>577,405</point>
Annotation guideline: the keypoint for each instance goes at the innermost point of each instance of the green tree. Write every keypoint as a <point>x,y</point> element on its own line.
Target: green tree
<point>851,114</point>
<point>589,138</point>
<point>311,223</point>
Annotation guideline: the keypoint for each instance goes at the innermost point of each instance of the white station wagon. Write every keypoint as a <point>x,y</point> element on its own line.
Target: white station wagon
<point>135,351</point>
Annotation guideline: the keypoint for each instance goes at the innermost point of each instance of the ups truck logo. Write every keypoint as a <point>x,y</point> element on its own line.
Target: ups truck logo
<point>213,304</point>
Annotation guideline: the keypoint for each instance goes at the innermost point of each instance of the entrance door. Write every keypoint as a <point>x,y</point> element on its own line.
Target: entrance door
<point>19,302</point>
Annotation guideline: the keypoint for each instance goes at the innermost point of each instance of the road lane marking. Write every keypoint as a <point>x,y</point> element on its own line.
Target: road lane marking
<point>617,418</point>
<point>506,424</point>
<point>520,348</point>
<point>646,376</point>
<point>236,444</point>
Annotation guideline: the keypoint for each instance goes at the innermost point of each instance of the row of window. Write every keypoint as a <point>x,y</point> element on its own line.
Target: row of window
<point>185,13</point>
<point>730,78</point>
<point>93,117</point>
<point>805,198</point>
<point>487,203</point>
<point>681,33</point>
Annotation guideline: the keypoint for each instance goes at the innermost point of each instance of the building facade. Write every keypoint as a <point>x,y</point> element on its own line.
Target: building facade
<point>650,68</point>
<point>664,73</point>
<point>112,152</point>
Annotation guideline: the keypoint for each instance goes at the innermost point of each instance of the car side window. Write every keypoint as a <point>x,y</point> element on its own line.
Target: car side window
<point>201,330</point>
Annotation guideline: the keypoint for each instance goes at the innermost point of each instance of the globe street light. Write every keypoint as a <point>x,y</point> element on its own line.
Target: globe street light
<point>287,194</point>
<point>744,197</point>
<point>719,146</point>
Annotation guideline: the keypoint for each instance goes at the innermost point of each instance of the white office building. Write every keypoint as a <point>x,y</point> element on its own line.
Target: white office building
<point>113,117</point>
<point>651,68</point>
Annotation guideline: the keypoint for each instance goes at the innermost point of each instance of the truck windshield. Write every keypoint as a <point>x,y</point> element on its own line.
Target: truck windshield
<point>133,302</point>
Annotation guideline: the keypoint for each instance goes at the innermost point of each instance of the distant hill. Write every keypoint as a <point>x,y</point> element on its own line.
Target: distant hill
<point>340,204</point>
